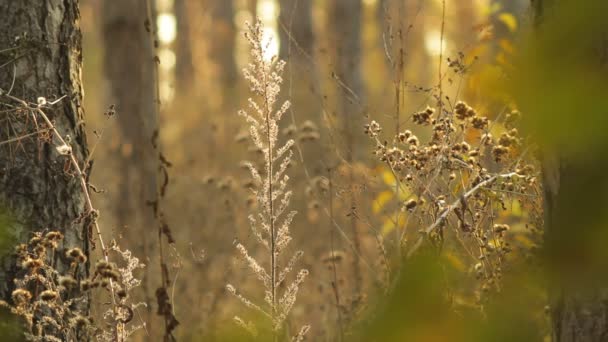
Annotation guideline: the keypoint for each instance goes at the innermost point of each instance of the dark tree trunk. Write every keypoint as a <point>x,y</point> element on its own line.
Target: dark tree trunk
<point>129,58</point>
<point>41,56</point>
<point>579,304</point>
<point>575,189</point>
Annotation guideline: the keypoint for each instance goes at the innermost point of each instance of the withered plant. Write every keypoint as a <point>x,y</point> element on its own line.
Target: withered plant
<point>456,183</point>
<point>54,302</point>
<point>44,297</point>
<point>270,224</point>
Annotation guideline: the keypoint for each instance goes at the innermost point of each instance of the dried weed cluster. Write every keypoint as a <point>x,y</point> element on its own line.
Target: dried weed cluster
<point>119,320</point>
<point>270,224</point>
<point>49,300</point>
<point>456,183</point>
<point>54,303</point>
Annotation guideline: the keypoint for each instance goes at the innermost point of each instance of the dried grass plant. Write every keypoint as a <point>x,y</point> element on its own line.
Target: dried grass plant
<point>455,184</point>
<point>270,224</point>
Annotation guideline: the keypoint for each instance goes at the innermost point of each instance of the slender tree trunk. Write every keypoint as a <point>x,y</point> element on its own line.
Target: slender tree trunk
<point>223,39</point>
<point>344,30</point>
<point>297,44</point>
<point>184,65</point>
<point>129,65</point>
<point>295,29</point>
<point>575,189</point>
<point>252,7</point>
<point>41,56</point>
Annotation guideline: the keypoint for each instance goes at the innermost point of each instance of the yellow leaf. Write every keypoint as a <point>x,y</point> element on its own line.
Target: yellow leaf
<point>509,20</point>
<point>478,51</point>
<point>495,7</point>
<point>404,193</point>
<point>389,225</point>
<point>516,209</point>
<point>388,178</point>
<point>507,46</point>
<point>381,200</point>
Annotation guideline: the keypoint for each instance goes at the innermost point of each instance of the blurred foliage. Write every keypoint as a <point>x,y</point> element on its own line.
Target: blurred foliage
<point>561,77</point>
<point>420,310</point>
<point>561,80</point>
<point>9,324</point>
<point>6,240</point>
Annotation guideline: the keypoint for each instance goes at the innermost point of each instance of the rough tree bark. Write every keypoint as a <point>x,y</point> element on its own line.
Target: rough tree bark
<point>40,44</point>
<point>129,59</point>
<point>344,31</point>
<point>575,189</point>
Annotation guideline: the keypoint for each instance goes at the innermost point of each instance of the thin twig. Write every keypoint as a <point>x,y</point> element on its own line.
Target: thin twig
<point>425,232</point>
<point>333,259</point>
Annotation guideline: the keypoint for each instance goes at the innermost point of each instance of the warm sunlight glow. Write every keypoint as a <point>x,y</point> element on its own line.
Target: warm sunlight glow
<point>271,43</point>
<point>167,58</point>
<point>167,28</point>
<point>267,11</point>
<point>241,17</point>
<point>164,5</point>
<point>432,43</point>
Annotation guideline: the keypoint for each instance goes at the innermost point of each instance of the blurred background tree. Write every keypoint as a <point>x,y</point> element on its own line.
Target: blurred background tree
<point>129,64</point>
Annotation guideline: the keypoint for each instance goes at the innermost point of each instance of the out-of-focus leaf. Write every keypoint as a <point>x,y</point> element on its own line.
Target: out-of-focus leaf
<point>509,20</point>
<point>388,178</point>
<point>389,224</point>
<point>381,200</point>
<point>10,328</point>
<point>507,46</point>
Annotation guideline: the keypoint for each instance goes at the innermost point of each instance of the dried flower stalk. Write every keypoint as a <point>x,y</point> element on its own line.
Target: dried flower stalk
<point>270,225</point>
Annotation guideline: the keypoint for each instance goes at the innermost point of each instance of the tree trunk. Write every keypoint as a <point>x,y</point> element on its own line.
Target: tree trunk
<point>578,289</point>
<point>297,43</point>
<point>223,40</point>
<point>252,7</point>
<point>575,189</point>
<point>295,30</point>
<point>129,58</point>
<point>184,67</point>
<point>344,31</point>
<point>41,56</point>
